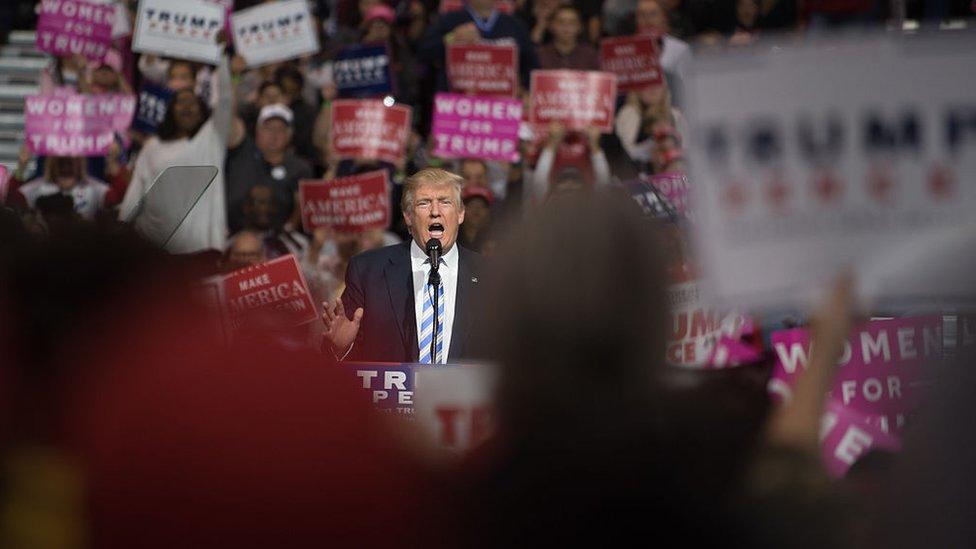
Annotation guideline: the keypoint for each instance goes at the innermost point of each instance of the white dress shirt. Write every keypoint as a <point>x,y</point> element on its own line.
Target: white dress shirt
<point>420,265</point>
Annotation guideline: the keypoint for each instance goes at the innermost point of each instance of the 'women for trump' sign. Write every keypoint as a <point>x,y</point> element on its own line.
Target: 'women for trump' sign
<point>75,27</point>
<point>468,126</point>
<point>76,125</point>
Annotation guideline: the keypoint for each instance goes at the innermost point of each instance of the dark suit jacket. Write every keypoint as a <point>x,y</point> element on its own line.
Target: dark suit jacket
<point>381,282</point>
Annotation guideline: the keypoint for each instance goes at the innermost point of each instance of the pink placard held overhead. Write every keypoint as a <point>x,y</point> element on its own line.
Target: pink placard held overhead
<point>578,99</point>
<point>367,129</point>
<point>848,435</point>
<point>483,69</point>
<point>76,125</point>
<point>883,371</point>
<point>75,27</point>
<point>469,126</point>
<point>277,285</point>
<point>346,204</point>
<point>634,59</point>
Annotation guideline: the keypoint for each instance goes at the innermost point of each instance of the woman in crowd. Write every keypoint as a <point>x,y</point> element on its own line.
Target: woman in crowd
<point>190,135</point>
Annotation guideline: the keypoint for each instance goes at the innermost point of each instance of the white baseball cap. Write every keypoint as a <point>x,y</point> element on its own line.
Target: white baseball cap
<point>275,110</point>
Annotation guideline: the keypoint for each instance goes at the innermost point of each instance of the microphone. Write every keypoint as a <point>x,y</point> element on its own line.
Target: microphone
<point>434,252</point>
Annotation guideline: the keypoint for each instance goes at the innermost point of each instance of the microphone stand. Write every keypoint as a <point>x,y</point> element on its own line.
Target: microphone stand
<point>435,280</point>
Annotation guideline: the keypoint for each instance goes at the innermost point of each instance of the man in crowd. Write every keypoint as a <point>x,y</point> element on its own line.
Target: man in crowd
<point>388,293</point>
<point>566,51</point>
<point>266,159</point>
<point>478,21</point>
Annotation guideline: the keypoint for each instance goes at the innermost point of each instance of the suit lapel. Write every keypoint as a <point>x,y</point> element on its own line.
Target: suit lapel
<point>463,315</point>
<point>399,283</point>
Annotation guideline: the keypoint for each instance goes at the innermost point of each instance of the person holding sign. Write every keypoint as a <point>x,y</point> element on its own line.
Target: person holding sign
<point>190,136</point>
<point>386,312</point>
<point>480,20</point>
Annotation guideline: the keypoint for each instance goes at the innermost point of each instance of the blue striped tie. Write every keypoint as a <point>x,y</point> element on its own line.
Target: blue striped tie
<point>427,325</point>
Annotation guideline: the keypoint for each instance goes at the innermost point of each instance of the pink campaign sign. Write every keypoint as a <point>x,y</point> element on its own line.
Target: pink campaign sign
<point>883,370</point>
<point>846,435</point>
<point>76,125</point>
<point>880,379</point>
<point>469,126</point>
<point>75,27</point>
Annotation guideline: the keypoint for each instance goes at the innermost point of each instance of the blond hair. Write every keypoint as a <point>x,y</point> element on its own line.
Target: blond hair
<point>430,176</point>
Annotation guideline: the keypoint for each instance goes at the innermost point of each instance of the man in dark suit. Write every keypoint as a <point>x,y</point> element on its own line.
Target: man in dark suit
<point>388,291</point>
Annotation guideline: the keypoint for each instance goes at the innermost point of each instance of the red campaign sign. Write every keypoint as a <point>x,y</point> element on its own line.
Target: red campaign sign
<point>578,99</point>
<point>276,285</point>
<point>504,6</point>
<point>346,204</point>
<point>635,61</point>
<point>366,129</point>
<point>483,69</point>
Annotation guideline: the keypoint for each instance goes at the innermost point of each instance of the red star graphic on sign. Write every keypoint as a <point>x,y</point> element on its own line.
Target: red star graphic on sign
<point>879,185</point>
<point>940,182</point>
<point>193,32</point>
<point>734,197</point>
<point>179,30</point>
<point>271,35</point>
<point>153,25</point>
<point>777,192</point>
<point>826,187</point>
<point>206,34</point>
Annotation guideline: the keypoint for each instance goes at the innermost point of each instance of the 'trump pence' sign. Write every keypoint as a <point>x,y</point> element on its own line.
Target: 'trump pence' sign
<point>273,32</point>
<point>390,387</point>
<point>578,99</point>
<point>468,126</point>
<point>369,130</point>
<point>185,29</point>
<point>453,404</point>
<point>75,27</point>
<point>346,204</point>
<point>362,71</point>
<point>803,168</point>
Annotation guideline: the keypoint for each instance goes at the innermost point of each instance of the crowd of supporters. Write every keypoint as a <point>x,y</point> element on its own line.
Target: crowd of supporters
<point>584,454</point>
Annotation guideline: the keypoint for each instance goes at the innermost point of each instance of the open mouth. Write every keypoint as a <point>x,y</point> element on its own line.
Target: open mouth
<point>436,230</point>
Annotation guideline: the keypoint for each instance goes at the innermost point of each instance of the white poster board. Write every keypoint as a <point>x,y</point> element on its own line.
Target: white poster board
<point>837,154</point>
<point>268,33</point>
<point>452,404</point>
<point>184,29</point>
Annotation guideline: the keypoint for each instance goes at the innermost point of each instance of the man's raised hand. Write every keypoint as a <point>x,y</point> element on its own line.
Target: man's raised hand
<point>338,328</point>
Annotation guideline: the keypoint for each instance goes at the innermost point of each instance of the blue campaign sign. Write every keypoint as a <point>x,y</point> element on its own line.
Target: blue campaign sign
<point>390,386</point>
<point>362,71</point>
<point>153,100</point>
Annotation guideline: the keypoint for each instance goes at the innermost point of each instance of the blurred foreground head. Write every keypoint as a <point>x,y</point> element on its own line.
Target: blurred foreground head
<point>578,312</point>
<point>162,435</point>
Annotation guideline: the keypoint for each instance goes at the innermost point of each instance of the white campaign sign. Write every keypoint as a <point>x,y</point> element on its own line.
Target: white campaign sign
<point>452,404</point>
<point>852,154</point>
<point>268,33</point>
<point>185,29</point>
